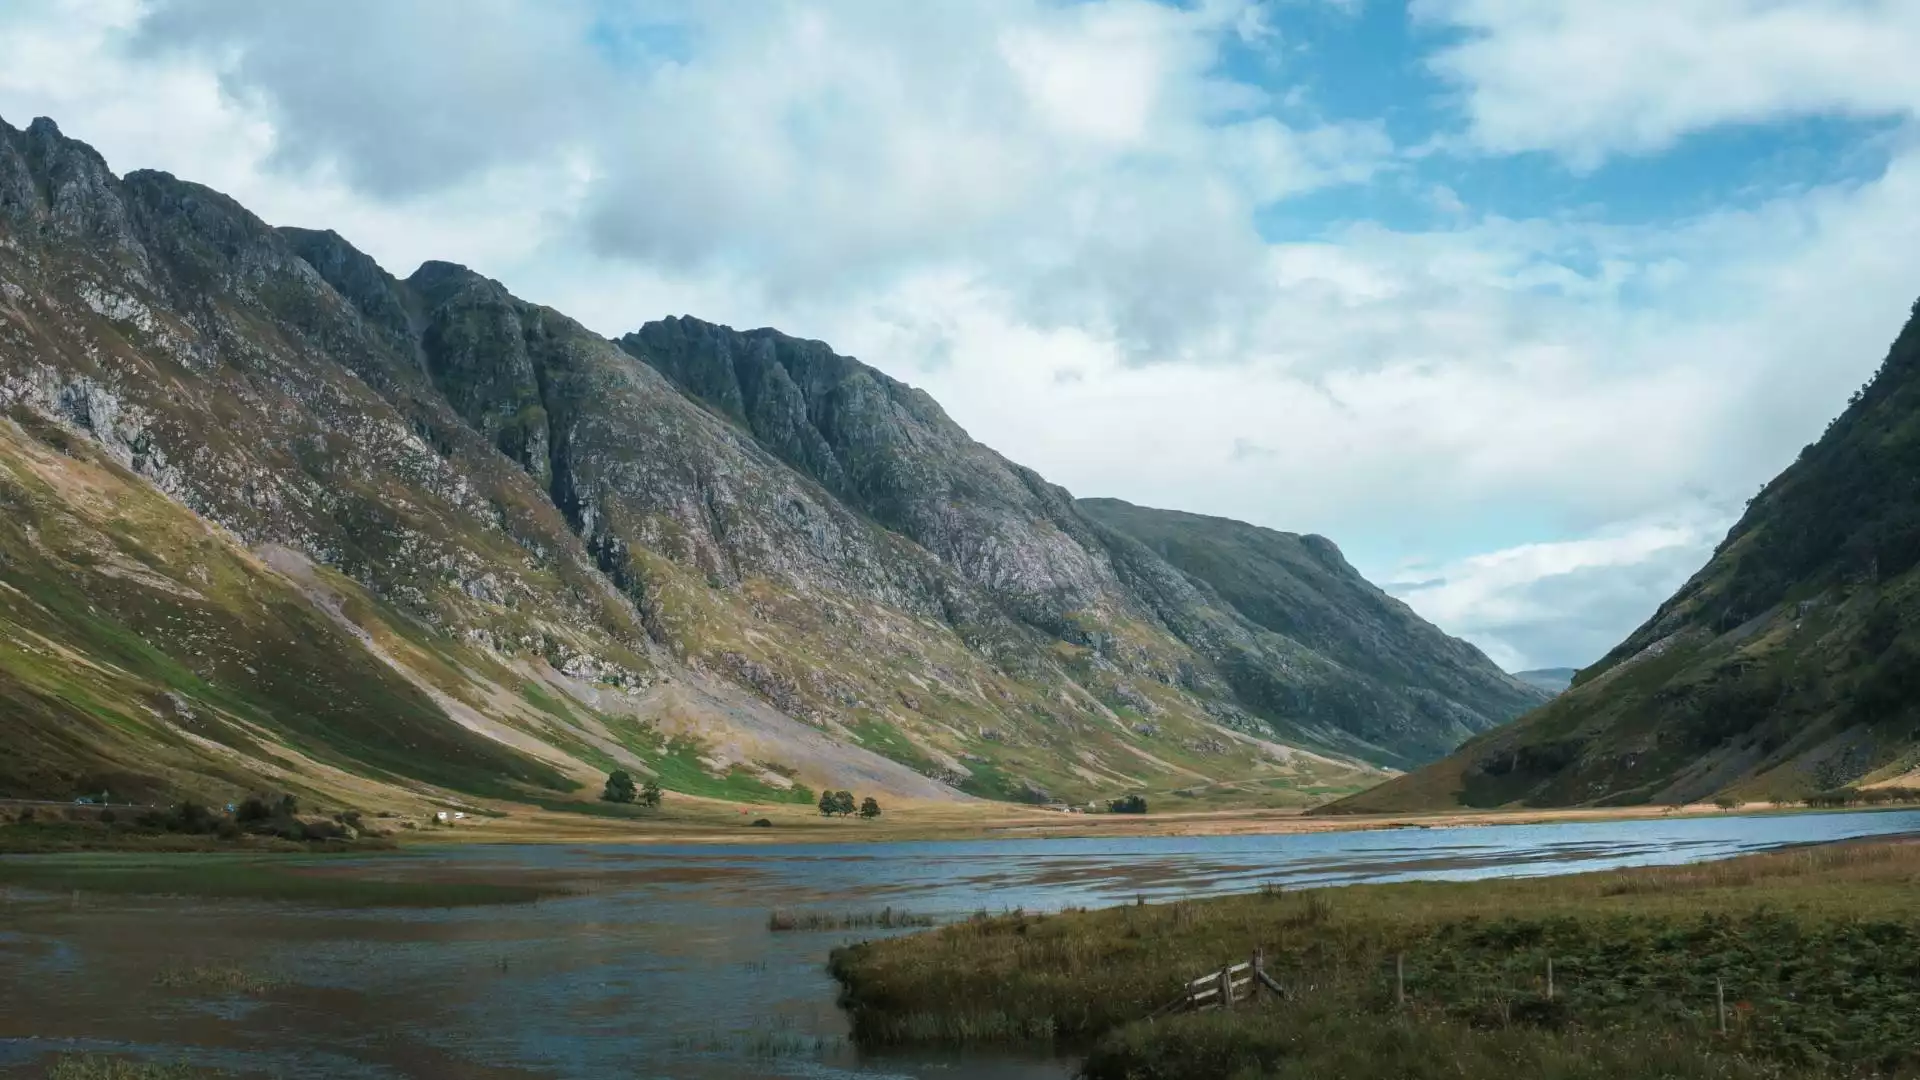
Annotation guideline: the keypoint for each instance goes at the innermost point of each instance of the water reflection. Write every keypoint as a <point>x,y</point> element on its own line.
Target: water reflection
<point>663,965</point>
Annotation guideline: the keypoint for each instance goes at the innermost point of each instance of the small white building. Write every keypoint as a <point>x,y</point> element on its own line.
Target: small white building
<point>441,817</point>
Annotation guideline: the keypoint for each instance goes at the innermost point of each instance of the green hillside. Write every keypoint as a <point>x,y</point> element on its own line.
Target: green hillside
<point>1789,664</point>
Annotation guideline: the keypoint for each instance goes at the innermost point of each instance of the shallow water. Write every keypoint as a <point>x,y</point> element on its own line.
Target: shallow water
<point>663,966</point>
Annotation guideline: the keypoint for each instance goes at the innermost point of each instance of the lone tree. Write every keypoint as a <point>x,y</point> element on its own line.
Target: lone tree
<point>619,787</point>
<point>650,794</point>
<point>869,808</point>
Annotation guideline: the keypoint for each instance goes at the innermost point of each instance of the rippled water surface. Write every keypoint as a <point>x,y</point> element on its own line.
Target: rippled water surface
<point>663,966</point>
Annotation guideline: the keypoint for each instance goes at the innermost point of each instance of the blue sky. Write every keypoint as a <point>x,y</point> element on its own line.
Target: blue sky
<point>1516,300</point>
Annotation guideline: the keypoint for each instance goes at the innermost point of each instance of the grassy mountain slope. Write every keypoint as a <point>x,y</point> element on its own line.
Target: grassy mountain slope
<point>508,555</point>
<point>1790,663</point>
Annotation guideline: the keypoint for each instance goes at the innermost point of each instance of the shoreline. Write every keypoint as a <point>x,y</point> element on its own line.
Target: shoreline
<point>965,822</point>
<point>687,820</point>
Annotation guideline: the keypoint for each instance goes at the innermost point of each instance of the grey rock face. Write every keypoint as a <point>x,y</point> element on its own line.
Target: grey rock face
<point>1302,639</point>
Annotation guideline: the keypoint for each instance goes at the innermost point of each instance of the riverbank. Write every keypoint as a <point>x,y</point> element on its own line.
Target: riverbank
<point>1810,951</point>
<point>687,820</point>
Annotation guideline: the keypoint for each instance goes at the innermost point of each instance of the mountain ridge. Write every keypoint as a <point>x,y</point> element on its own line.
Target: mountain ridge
<point>586,552</point>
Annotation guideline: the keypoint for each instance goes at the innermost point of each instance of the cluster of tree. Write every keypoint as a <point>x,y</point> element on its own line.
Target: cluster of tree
<point>841,802</point>
<point>1127,804</point>
<point>620,788</point>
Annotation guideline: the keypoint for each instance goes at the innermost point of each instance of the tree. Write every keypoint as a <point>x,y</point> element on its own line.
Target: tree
<point>650,794</point>
<point>829,803</point>
<point>619,787</point>
<point>869,808</point>
<point>843,802</point>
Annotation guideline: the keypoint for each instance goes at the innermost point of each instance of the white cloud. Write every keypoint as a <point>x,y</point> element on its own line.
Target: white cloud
<point>1586,79</point>
<point>1561,604</point>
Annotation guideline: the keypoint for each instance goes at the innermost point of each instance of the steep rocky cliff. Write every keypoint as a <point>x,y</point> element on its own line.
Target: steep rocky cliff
<point>1789,664</point>
<point>509,555</point>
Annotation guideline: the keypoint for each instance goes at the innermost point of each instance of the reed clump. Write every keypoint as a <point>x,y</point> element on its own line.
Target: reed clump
<point>888,918</point>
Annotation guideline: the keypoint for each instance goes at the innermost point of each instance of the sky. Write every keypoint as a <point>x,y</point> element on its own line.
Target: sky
<point>1518,301</point>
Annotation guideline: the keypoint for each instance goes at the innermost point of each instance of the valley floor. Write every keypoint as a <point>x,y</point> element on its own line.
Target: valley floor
<point>702,821</point>
<point>692,819</point>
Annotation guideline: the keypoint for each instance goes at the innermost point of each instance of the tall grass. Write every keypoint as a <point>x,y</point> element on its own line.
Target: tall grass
<point>1817,951</point>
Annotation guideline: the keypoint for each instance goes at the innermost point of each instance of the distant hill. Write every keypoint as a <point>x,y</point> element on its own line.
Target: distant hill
<point>1551,679</point>
<point>1790,663</point>
<point>1408,686</point>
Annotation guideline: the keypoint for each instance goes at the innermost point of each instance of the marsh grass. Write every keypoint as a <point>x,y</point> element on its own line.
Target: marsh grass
<point>217,979</point>
<point>94,1067</point>
<point>783,921</point>
<point>1319,1041</point>
<point>1818,950</point>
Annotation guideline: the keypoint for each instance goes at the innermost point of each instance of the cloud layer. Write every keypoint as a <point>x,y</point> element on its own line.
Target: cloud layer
<point>1056,217</point>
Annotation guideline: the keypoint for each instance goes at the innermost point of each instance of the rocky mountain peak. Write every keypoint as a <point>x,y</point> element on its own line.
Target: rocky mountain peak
<point>522,532</point>
<point>62,188</point>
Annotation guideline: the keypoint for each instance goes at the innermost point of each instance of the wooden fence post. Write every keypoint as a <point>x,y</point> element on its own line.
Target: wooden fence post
<point>1549,978</point>
<point>1226,987</point>
<point>1720,1002</point>
<point>1400,979</point>
<point>1258,968</point>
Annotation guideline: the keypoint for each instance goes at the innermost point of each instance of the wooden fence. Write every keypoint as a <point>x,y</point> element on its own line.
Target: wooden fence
<point>1226,988</point>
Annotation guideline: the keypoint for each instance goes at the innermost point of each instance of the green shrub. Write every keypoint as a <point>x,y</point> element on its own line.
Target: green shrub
<point>619,788</point>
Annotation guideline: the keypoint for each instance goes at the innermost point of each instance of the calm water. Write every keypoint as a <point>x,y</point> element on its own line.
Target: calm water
<point>664,967</point>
